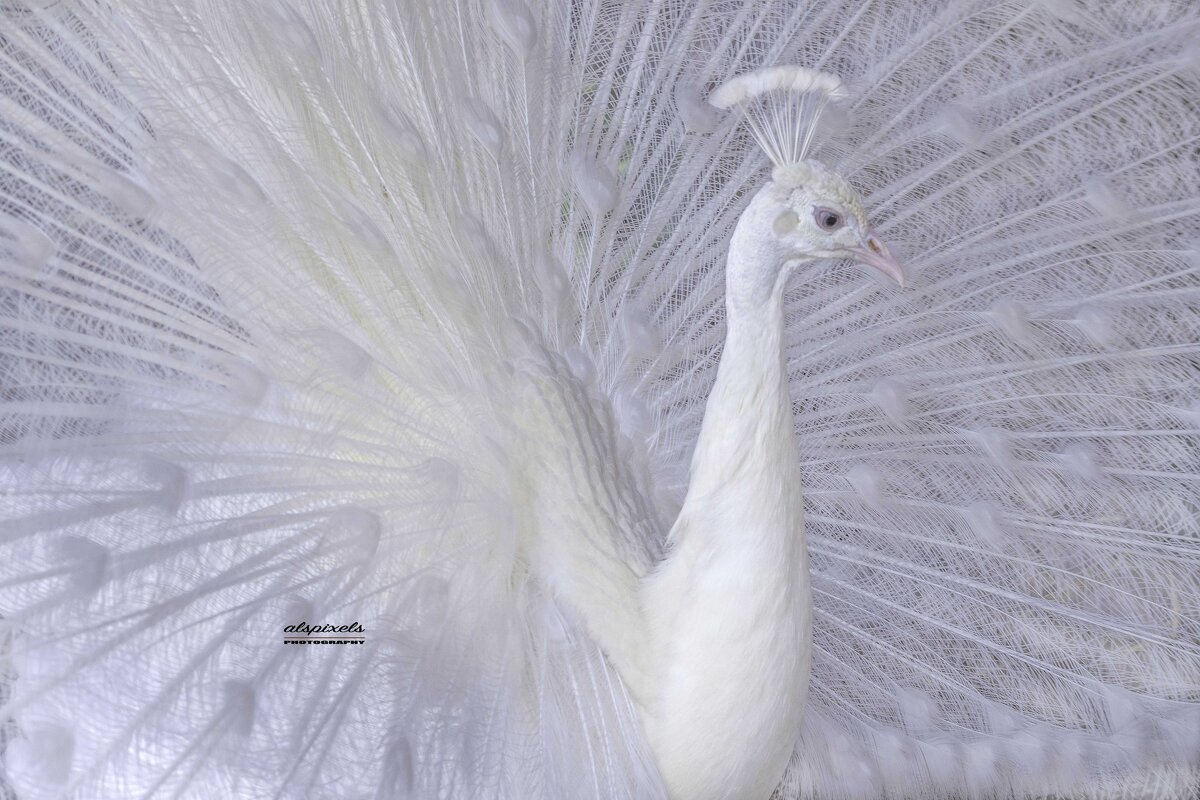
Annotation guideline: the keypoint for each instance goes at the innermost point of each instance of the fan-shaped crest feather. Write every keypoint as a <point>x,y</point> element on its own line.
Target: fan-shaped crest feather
<point>782,105</point>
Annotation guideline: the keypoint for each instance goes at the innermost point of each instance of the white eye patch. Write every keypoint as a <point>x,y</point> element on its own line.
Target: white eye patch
<point>786,223</point>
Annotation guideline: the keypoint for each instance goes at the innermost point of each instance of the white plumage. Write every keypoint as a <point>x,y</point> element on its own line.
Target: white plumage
<point>410,315</point>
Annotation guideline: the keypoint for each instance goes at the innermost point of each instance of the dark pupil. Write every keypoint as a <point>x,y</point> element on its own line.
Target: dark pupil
<point>829,219</point>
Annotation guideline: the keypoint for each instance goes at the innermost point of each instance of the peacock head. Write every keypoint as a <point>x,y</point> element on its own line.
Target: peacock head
<point>819,215</point>
<point>807,212</point>
<point>804,214</point>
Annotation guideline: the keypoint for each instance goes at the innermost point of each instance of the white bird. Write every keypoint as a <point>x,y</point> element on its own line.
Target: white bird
<point>424,321</point>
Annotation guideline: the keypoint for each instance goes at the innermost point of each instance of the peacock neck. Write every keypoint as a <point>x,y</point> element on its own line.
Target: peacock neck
<point>747,427</point>
<point>748,416</point>
<point>728,610</point>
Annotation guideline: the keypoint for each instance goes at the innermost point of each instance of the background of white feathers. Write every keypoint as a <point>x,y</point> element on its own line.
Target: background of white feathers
<point>312,311</point>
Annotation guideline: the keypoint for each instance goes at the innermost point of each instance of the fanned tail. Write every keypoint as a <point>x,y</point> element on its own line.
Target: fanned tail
<point>264,333</point>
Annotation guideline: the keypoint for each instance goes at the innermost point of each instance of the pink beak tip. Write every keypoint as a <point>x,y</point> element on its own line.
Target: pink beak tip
<point>875,254</point>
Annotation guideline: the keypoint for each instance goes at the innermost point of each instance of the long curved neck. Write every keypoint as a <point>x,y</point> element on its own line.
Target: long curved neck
<point>745,464</point>
<point>728,610</point>
<point>747,427</point>
<point>748,419</point>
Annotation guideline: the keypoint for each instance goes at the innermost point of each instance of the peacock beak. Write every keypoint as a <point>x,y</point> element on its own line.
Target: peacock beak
<point>874,253</point>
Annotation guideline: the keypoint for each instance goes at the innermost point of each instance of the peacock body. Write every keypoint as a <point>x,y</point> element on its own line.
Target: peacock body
<point>460,321</point>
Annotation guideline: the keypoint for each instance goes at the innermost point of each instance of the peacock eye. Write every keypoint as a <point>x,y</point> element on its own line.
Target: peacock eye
<point>828,219</point>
